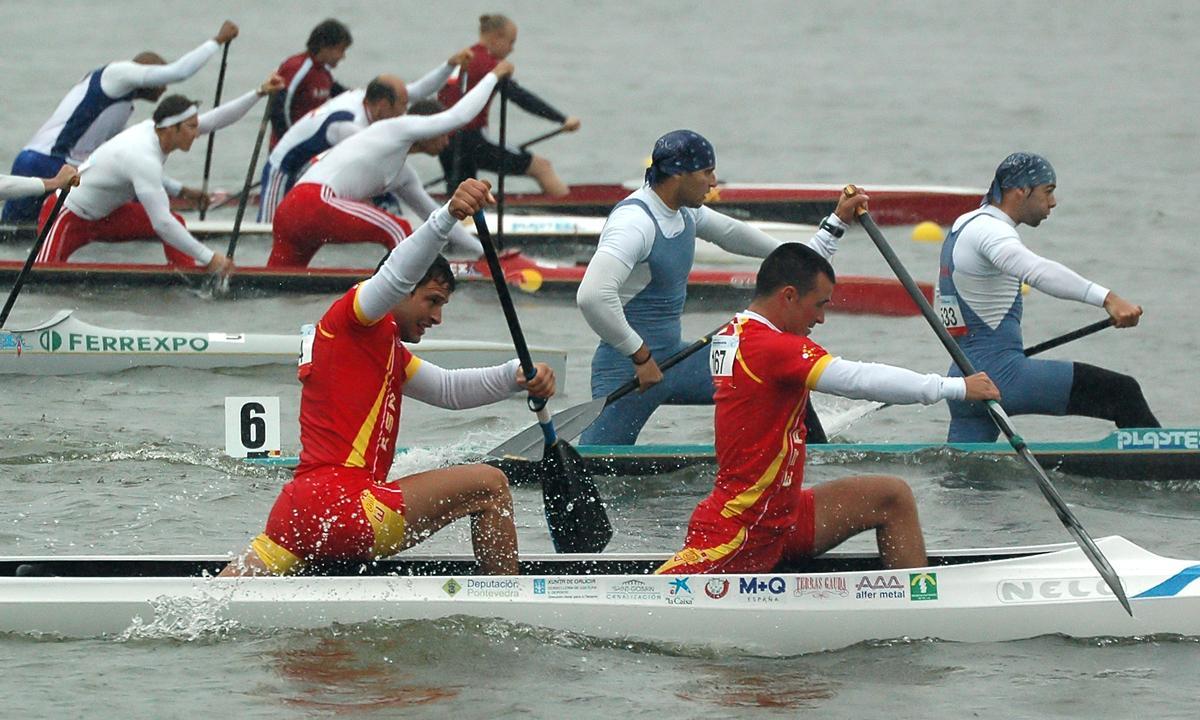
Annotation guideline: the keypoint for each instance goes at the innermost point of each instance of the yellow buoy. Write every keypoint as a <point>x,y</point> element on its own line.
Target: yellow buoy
<point>928,232</point>
<point>531,280</point>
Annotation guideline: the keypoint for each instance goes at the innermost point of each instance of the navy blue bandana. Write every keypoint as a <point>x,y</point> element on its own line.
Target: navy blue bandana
<point>1019,170</point>
<point>679,152</point>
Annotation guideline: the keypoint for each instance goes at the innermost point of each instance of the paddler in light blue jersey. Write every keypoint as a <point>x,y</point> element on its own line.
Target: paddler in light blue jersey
<point>983,264</point>
<point>633,292</point>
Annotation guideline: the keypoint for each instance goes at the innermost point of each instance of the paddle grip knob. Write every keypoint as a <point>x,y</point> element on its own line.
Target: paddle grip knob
<point>850,191</point>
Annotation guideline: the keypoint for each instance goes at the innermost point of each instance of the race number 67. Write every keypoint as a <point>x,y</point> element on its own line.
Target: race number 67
<point>251,426</point>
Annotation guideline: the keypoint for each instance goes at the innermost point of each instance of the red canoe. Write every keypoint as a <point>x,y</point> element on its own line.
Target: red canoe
<point>854,294</point>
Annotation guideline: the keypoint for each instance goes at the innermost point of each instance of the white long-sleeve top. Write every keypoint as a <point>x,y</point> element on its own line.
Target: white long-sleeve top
<point>370,162</point>
<point>15,186</point>
<point>991,262</point>
<point>396,279</point>
<point>130,166</point>
<point>305,130</point>
<point>619,269</point>
<point>117,79</point>
<point>887,383</point>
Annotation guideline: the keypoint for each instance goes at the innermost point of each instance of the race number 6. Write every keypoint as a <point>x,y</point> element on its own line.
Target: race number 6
<point>252,426</point>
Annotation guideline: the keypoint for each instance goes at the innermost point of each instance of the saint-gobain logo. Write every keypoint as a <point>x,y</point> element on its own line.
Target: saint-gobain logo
<point>50,340</point>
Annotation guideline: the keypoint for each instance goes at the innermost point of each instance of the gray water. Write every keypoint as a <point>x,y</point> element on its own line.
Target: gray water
<point>886,93</point>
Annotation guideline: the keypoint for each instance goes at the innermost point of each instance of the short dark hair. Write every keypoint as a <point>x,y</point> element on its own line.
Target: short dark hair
<point>172,105</point>
<point>379,90</point>
<point>428,106</point>
<point>329,33</point>
<point>792,264</point>
<point>440,270</point>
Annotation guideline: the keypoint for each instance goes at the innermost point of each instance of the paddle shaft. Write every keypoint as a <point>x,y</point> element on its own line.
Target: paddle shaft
<point>456,162</point>
<point>245,198</point>
<point>1068,337</point>
<point>1051,494</point>
<point>664,366</point>
<point>37,247</point>
<point>208,153</point>
<point>546,136</point>
<point>1030,351</point>
<point>503,163</point>
<point>569,423</point>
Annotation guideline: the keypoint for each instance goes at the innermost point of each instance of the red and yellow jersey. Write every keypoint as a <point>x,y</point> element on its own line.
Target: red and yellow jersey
<point>353,382</point>
<point>762,378</point>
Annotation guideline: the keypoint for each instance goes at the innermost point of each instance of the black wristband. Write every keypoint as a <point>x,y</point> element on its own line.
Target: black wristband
<point>832,229</point>
<point>643,362</point>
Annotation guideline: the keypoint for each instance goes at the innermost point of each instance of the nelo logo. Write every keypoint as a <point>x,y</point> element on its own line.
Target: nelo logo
<point>1035,591</point>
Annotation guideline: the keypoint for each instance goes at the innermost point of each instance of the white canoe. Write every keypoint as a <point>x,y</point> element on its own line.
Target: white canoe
<point>838,600</point>
<point>65,345</point>
<point>525,230</point>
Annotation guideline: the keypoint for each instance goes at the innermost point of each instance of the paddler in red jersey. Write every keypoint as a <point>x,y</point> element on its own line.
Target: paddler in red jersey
<point>309,76</point>
<point>355,372</point>
<point>764,365</point>
<point>469,148</point>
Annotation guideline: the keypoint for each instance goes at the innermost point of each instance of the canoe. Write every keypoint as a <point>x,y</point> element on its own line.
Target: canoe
<point>769,202</point>
<point>66,345</point>
<point>855,294</point>
<point>1158,454</point>
<point>831,602</point>
<point>1130,454</point>
<point>780,202</point>
<point>576,232</point>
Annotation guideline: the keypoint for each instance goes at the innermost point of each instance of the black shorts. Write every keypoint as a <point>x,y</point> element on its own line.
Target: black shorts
<point>478,153</point>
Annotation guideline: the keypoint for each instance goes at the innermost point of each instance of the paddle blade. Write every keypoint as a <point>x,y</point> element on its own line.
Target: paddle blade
<point>525,445</point>
<point>574,511</point>
<point>568,424</point>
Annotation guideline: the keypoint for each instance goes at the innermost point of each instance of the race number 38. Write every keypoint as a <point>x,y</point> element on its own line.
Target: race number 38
<point>251,426</point>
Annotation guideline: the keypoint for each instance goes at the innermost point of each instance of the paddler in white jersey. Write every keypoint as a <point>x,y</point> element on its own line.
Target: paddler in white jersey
<point>385,97</point>
<point>96,108</point>
<point>983,264</point>
<point>633,292</point>
<point>331,203</point>
<point>123,189</point>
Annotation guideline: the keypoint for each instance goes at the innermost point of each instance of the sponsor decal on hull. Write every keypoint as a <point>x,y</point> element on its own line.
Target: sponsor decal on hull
<point>633,590</point>
<point>1051,590</point>
<point>879,587</point>
<point>821,587</point>
<point>1158,439</point>
<point>762,590</point>
<point>567,588</point>
<point>53,341</point>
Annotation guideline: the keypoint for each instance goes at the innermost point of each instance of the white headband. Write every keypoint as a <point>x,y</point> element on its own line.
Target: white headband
<point>177,118</point>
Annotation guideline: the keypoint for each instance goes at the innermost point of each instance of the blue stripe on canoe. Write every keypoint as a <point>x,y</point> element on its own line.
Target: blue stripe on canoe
<point>1172,585</point>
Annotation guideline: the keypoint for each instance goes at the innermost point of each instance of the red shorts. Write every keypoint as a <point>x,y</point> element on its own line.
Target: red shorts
<point>128,222</point>
<point>311,215</point>
<point>721,545</point>
<point>332,513</point>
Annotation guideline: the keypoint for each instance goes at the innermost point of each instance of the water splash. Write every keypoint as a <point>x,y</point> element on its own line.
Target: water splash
<point>190,618</point>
